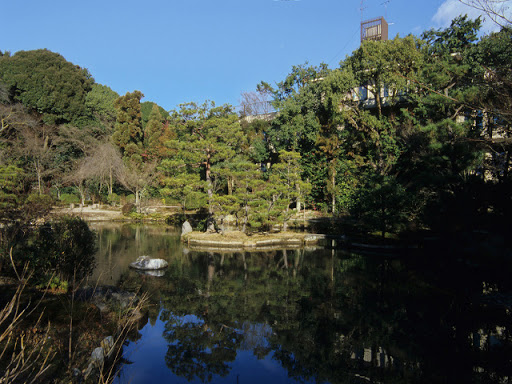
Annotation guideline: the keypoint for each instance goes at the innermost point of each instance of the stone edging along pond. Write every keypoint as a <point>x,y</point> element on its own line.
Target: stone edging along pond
<point>242,241</point>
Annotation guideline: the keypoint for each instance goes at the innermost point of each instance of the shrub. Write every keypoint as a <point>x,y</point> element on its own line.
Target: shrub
<point>170,201</point>
<point>37,205</point>
<point>69,198</point>
<point>64,248</point>
<point>196,200</point>
<point>114,198</point>
<point>128,208</point>
<point>176,219</point>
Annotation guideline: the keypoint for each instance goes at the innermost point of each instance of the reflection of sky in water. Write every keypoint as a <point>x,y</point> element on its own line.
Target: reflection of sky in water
<point>148,355</point>
<point>335,315</point>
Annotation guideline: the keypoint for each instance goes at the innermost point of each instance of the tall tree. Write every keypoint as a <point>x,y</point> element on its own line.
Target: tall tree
<point>46,82</point>
<point>137,172</point>
<point>128,134</point>
<point>384,69</point>
<point>146,107</point>
<point>153,131</point>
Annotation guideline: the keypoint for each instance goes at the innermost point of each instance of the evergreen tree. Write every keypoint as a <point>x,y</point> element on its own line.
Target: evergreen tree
<point>128,135</point>
<point>153,131</point>
<point>207,135</point>
<point>46,82</point>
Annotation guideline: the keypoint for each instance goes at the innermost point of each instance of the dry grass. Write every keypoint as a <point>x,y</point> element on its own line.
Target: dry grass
<point>25,354</point>
<point>33,352</point>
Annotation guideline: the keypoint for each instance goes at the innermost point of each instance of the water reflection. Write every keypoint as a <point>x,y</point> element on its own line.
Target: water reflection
<point>312,316</point>
<point>121,244</point>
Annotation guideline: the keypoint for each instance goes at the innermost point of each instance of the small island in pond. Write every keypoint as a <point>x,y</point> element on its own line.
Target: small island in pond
<point>241,240</point>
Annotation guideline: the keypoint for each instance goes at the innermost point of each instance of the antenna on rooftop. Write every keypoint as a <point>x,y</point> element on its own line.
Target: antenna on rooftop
<point>385,4</point>
<point>362,8</point>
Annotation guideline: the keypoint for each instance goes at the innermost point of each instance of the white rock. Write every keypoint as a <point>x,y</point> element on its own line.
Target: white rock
<point>145,263</point>
<point>98,357</point>
<point>108,346</point>
<point>186,228</point>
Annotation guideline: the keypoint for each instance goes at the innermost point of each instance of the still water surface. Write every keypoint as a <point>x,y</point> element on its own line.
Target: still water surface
<point>307,316</point>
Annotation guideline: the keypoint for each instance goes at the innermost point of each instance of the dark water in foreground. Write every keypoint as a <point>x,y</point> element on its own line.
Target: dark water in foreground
<point>311,316</point>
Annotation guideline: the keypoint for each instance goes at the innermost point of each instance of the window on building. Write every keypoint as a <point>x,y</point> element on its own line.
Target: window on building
<point>363,93</point>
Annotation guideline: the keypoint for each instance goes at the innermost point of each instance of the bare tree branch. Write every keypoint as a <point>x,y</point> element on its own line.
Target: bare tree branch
<point>255,103</point>
<point>495,9</point>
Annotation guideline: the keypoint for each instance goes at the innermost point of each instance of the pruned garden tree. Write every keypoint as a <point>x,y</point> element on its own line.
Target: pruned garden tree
<point>206,135</point>
<point>18,209</point>
<point>244,179</point>
<point>288,173</point>
<point>492,72</point>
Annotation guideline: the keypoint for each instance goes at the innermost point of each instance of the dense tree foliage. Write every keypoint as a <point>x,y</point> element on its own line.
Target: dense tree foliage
<point>46,82</point>
<point>408,133</point>
<point>100,103</point>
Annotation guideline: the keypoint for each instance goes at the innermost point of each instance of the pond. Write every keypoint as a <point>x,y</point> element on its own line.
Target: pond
<point>319,315</point>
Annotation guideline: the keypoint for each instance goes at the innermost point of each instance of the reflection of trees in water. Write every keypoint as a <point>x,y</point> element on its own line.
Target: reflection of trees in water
<point>344,319</point>
<point>199,348</point>
<point>387,324</point>
<point>231,298</point>
<point>329,316</point>
<point>119,245</point>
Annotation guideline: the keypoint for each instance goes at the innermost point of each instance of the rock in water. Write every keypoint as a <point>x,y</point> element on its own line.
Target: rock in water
<point>146,263</point>
<point>186,228</point>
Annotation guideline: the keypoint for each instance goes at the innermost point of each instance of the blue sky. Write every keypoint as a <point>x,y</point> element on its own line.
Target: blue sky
<point>196,50</point>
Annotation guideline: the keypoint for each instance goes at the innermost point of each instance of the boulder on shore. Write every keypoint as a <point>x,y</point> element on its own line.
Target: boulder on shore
<point>146,263</point>
<point>186,228</point>
<point>105,298</point>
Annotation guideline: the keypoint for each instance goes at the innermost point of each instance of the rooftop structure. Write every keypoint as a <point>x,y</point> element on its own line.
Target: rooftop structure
<point>374,29</point>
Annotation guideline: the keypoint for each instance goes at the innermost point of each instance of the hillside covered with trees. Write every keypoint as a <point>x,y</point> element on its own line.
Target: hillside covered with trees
<point>407,134</point>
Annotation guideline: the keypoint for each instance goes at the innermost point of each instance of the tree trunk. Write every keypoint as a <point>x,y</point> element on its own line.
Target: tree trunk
<point>285,220</point>
<point>230,185</point>
<point>298,197</point>
<point>246,218</point>
<point>137,199</point>
<point>38,172</point>
<point>81,190</point>
<point>333,181</point>
<point>210,224</point>
<point>378,101</point>
<point>111,183</point>
<point>184,207</point>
